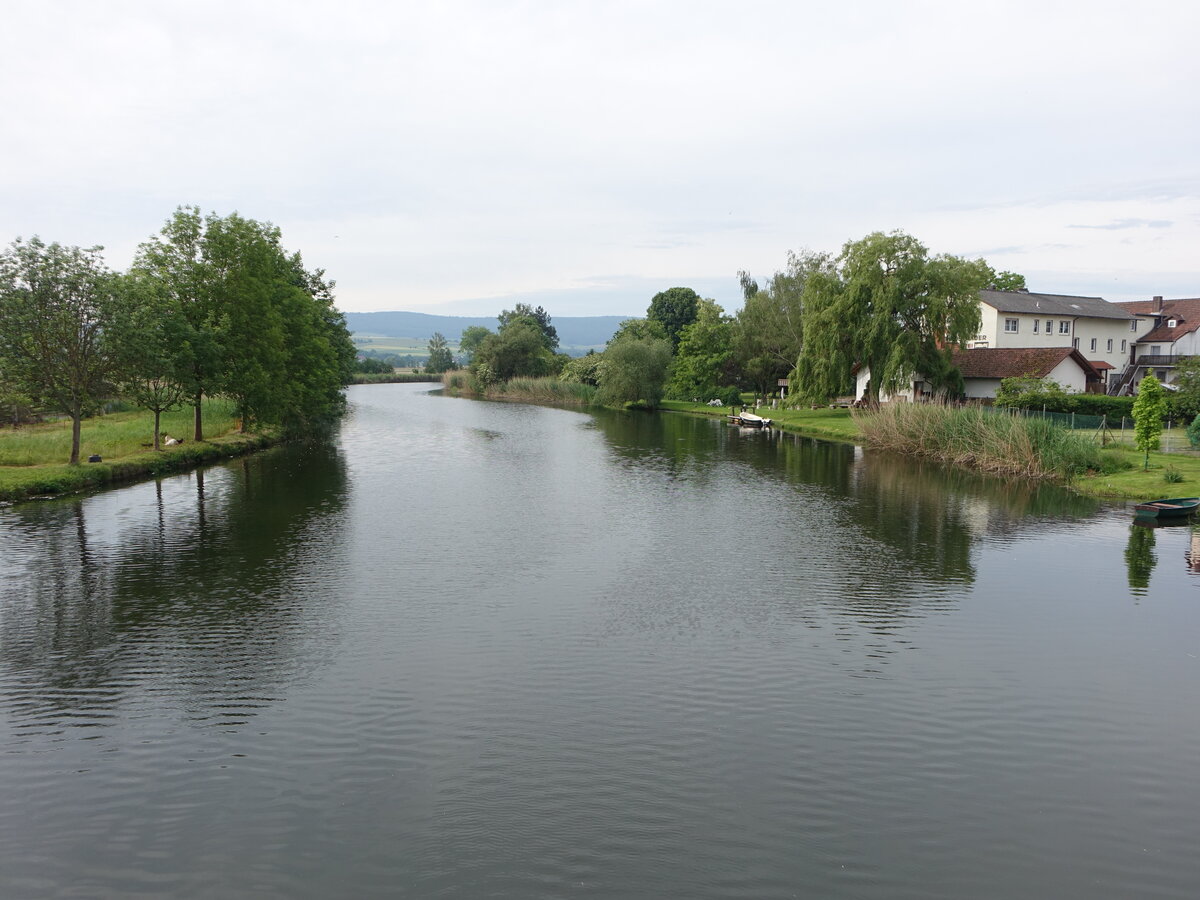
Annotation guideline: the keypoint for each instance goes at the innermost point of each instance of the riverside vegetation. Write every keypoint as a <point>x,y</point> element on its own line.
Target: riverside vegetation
<point>213,308</point>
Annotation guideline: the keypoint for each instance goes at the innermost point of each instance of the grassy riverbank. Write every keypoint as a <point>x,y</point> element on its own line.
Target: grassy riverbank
<point>32,458</point>
<point>1118,474</point>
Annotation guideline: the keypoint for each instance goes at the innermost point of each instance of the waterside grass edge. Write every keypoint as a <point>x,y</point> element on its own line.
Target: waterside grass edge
<point>1131,483</point>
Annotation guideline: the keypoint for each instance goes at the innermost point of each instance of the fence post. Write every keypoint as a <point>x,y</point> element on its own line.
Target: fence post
<point>1072,421</point>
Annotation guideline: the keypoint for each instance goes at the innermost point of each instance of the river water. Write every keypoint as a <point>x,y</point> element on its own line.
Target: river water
<point>493,650</point>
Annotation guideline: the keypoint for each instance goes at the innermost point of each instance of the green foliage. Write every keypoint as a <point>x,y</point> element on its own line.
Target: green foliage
<point>769,330</point>
<point>1008,281</point>
<point>674,309</point>
<point>440,358</point>
<point>1193,432</point>
<point>539,316</point>
<point>373,366</point>
<point>583,369</point>
<point>519,349</point>
<point>472,337</point>
<point>887,305</point>
<point>1186,399</point>
<point>702,360</point>
<point>639,329</point>
<point>54,302</point>
<point>1172,476</point>
<point>1140,558</point>
<point>634,370</point>
<point>980,439</point>
<point>1149,407</point>
<point>1030,392</point>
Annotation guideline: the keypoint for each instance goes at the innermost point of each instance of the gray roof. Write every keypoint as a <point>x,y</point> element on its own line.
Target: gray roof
<point>1053,305</point>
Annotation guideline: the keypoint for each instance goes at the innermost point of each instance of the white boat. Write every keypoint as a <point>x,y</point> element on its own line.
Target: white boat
<point>749,420</point>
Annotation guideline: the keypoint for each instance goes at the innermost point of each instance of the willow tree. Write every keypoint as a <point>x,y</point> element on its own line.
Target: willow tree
<point>888,306</point>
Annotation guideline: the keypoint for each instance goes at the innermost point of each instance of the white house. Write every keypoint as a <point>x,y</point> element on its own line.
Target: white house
<point>1171,331</point>
<point>1104,333</point>
<point>983,367</point>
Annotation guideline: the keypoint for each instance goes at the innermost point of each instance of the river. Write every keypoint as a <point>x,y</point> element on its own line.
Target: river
<point>478,649</point>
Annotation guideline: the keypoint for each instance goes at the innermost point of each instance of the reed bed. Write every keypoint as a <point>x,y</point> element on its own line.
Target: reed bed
<point>527,390</point>
<point>985,441</point>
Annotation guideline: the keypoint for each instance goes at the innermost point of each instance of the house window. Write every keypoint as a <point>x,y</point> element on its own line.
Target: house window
<point>1123,346</point>
<point>1133,324</point>
<point>1156,349</point>
<point>1049,326</point>
<point>1110,345</point>
<point>1011,325</point>
<point>1064,327</point>
<point>1093,343</point>
<point>1037,323</point>
<point>1171,323</point>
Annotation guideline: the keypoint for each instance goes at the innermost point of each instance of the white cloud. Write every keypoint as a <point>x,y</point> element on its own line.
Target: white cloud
<point>426,154</point>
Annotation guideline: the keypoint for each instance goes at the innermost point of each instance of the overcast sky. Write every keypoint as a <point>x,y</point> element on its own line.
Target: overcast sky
<point>457,157</point>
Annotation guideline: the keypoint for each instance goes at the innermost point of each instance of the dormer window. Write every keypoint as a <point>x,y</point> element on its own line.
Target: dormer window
<point>1171,323</point>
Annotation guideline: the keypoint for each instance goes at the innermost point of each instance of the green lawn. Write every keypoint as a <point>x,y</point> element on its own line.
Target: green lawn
<point>33,459</point>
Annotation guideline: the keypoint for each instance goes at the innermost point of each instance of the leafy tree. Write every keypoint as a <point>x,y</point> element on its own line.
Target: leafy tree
<point>176,258</point>
<point>519,348</point>
<point>1008,281</point>
<point>674,309</point>
<point>769,330</point>
<point>702,360</point>
<point>641,329</point>
<point>1186,399</point>
<point>539,315</point>
<point>1140,558</point>
<point>54,301</point>
<point>440,359</point>
<point>148,336</point>
<point>472,337</point>
<point>1149,407</point>
<point>634,370</point>
<point>889,306</point>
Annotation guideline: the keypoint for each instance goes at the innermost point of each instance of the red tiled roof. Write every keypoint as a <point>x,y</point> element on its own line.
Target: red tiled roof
<point>1186,314</point>
<point>1099,364</point>
<point>1004,362</point>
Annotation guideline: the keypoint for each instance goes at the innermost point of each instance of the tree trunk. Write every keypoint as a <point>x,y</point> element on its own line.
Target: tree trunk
<point>199,432</point>
<point>157,416</point>
<point>76,425</point>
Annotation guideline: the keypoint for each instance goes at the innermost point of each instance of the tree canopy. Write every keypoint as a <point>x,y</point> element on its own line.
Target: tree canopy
<point>1149,407</point>
<point>540,317</point>
<point>634,370</point>
<point>674,309</point>
<point>887,305</point>
<point>440,359</point>
<point>54,302</point>
<point>703,360</point>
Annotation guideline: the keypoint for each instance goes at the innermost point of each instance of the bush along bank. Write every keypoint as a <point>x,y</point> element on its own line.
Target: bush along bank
<point>28,482</point>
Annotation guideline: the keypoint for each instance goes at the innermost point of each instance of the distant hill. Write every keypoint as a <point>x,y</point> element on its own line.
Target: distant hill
<point>576,334</point>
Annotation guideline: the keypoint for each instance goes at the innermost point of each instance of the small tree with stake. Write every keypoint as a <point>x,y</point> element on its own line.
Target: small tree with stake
<point>1148,411</point>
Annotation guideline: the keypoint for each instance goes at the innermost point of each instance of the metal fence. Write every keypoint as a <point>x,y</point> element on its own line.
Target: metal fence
<point>1109,430</point>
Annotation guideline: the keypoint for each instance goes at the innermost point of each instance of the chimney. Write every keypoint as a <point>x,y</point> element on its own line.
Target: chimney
<point>1158,304</point>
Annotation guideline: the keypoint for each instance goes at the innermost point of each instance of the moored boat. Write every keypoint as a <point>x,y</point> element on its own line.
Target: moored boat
<point>1167,508</point>
<point>749,420</point>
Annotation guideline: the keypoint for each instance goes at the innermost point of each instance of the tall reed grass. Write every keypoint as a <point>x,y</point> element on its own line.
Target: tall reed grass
<point>986,441</point>
<point>528,390</point>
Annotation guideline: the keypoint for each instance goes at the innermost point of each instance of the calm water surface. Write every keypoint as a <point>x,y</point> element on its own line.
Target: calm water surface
<point>491,650</point>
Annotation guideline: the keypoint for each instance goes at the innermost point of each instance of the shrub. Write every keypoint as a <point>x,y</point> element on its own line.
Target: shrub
<point>1172,475</point>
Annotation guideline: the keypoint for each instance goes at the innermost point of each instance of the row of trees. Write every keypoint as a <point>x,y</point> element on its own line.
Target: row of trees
<point>212,305</point>
<point>883,303</point>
